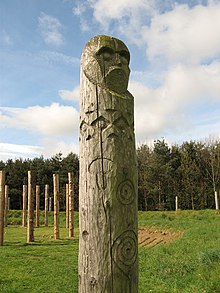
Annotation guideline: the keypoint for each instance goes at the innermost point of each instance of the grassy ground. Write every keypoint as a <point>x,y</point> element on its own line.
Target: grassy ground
<point>188,264</point>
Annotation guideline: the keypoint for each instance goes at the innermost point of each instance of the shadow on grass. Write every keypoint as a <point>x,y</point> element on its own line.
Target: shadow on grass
<point>60,242</point>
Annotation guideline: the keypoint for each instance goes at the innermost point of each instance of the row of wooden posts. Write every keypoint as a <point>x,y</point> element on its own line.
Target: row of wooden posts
<point>28,195</point>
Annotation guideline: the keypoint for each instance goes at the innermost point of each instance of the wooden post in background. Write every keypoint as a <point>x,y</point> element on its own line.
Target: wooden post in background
<point>46,205</point>
<point>67,205</point>
<point>24,212</point>
<point>6,205</point>
<point>216,201</point>
<point>71,205</point>
<point>50,204</point>
<point>176,203</point>
<point>56,205</point>
<point>37,224</point>
<point>30,219</point>
<point>108,237</point>
<point>2,205</point>
<point>9,203</point>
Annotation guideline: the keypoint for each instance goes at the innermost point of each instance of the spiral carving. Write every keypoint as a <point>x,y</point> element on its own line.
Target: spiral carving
<point>124,250</point>
<point>126,192</point>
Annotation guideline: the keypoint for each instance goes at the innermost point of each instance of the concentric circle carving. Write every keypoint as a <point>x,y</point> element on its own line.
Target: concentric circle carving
<point>126,192</point>
<point>124,250</point>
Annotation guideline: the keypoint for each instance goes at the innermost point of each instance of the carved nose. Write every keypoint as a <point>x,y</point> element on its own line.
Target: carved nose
<point>118,59</point>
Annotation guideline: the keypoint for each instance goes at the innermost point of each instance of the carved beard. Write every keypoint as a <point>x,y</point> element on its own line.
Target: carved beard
<point>116,80</point>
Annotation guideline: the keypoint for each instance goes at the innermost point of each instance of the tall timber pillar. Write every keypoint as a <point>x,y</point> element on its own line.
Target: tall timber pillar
<point>108,253</point>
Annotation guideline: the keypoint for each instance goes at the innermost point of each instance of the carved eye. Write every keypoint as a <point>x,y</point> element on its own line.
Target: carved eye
<point>106,53</point>
<point>125,57</point>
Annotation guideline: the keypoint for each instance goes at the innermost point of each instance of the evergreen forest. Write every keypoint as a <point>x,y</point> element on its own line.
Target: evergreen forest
<point>190,171</point>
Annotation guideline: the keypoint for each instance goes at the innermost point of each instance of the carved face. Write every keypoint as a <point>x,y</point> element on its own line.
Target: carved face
<point>105,61</point>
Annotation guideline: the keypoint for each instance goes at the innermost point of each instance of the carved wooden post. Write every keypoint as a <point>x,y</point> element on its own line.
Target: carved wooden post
<point>108,254</point>
<point>24,212</point>
<point>6,205</point>
<point>71,205</point>
<point>46,204</point>
<point>56,205</point>
<point>2,205</point>
<point>37,224</point>
<point>67,205</point>
<point>216,201</point>
<point>30,220</point>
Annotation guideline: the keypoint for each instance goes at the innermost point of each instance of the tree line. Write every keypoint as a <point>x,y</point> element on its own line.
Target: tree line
<point>190,171</point>
<point>16,174</point>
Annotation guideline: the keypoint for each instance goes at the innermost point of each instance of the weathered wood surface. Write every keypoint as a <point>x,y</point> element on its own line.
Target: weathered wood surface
<point>2,205</point>
<point>176,203</point>
<point>30,219</point>
<point>6,205</point>
<point>108,253</point>
<point>216,200</point>
<point>37,224</point>
<point>46,191</point>
<point>50,204</point>
<point>71,205</point>
<point>67,205</point>
<point>24,211</point>
<point>56,206</point>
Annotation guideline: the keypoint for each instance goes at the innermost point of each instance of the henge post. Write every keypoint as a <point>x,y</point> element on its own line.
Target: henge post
<point>30,219</point>
<point>6,205</point>
<point>46,205</point>
<point>71,205</point>
<point>2,205</point>
<point>37,205</point>
<point>108,253</point>
<point>24,212</point>
<point>67,205</point>
<point>56,206</point>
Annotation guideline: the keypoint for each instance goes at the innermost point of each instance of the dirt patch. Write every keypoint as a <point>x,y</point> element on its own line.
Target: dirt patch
<point>152,237</point>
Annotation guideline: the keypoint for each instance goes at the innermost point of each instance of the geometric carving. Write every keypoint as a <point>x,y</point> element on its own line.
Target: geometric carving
<point>101,122</point>
<point>124,250</point>
<point>125,193</point>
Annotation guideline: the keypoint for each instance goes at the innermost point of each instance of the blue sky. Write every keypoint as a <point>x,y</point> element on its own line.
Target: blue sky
<point>175,69</point>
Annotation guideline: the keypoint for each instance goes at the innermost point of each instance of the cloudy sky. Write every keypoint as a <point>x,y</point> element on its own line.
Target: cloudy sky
<point>175,69</point>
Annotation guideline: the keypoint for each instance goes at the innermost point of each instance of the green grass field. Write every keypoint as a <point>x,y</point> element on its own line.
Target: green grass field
<point>190,263</point>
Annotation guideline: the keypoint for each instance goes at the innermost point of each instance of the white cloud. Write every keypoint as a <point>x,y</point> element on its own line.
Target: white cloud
<point>48,120</point>
<point>55,127</point>
<point>188,35</point>
<point>79,11</point>
<point>125,17</point>
<point>52,147</point>
<point>107,10</point>
<point>12,151</point>
<point>48,148</point>
<point>70,95</point>
<point>57,57</point>
<point>169,30</point>
<point>164,109</point>
<point>50,29</point>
